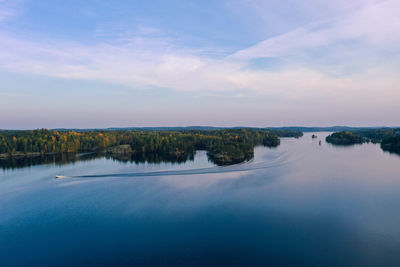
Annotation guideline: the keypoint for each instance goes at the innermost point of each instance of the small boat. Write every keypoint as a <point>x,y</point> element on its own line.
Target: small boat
<point>59,176</point>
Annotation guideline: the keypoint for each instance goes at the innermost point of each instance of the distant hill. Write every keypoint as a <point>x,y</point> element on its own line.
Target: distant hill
<point>327,129</point>
<point>161,128</point>
<point>210,128</point>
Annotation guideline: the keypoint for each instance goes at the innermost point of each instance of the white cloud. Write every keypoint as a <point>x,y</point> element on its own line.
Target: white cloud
<point>138,62</point>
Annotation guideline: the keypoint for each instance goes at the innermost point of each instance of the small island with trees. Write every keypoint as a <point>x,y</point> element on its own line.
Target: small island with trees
<point>344,138</point>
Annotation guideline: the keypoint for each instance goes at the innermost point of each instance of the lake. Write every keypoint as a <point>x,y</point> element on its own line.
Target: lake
<point>302,203</point>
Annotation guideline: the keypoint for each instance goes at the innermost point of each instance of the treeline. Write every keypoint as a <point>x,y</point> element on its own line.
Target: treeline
<point>223,146</point>
<point>286,133</point>
<point>389,138</point>
<point>378,135</point>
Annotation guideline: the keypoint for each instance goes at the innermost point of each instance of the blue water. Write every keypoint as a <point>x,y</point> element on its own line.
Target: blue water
<point>299,204</point>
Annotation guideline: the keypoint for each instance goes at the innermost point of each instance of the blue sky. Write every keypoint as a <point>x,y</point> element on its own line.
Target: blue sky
<point>227,63</point>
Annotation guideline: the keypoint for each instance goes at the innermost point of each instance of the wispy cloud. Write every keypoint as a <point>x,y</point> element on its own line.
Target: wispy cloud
<point>375,23</point>
<point>9,9</point>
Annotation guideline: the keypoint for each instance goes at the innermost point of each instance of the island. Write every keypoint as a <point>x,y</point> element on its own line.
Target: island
<point>223,146</point>
<point>344,138</point>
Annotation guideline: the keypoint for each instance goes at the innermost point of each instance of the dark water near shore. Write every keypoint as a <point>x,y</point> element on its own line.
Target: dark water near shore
<point>299,204</point>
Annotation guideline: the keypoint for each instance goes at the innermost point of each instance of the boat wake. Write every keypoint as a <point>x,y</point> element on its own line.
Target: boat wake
<point>280,160</point>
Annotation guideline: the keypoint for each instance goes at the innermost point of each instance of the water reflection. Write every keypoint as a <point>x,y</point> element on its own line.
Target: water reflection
<point>55,159</point>
<point>67,158</point>
<point>151,157</point>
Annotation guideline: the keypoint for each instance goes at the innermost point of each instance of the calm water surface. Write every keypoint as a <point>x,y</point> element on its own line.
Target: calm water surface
<point>299,204</point>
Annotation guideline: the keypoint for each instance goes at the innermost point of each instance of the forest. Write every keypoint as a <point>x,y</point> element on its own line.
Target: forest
<point>224,147</point>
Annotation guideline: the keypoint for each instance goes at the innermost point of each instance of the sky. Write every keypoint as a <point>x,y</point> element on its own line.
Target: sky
<point>126,63</point>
